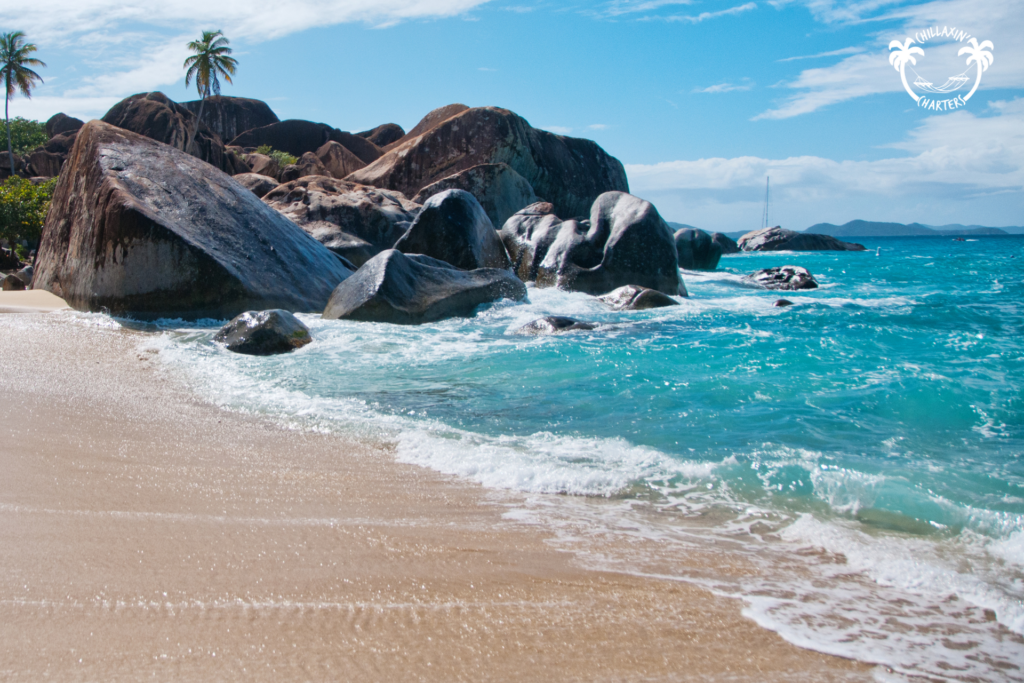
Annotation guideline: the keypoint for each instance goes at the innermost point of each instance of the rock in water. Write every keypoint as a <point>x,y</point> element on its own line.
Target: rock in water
<point>780,239</point>
<point>782,303</point>
<point>263,333</point>
<point>696,250</point>
<point>554,324</point>
<point>13,283</point>
<point>452,227</point>
<point>726,243</point>
<point>409,290</point>
<point>144,230</point>
<point>258,184</point>
<point>568,172</point>
<point>500,190</point>
<point>384,134</point>
<point>297,137</point>
<point>625,242</point>
<point>229,117</point>
<point>61,123</point>
<point>633,298</point>
<point>783,277</point>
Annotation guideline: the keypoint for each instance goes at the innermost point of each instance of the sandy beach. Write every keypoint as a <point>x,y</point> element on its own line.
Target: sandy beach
<point>147,534</point>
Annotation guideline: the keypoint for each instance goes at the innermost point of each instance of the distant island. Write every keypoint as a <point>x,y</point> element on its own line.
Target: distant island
<point>860,228</point>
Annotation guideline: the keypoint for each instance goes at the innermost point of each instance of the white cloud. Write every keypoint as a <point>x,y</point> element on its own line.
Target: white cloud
<point>560,130</point>
<point>704,16</point>
<point>41,108</point>
<point>832,53</point>
<point>621,7</point>
<point>598,126</point>
<point>724,87</point>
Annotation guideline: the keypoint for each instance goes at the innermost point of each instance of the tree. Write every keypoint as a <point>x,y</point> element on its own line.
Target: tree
<point>23,208</point>
<point>15,58</point>
<point>26,134</point>
<point>979,55</point>
<point>900,58</point>
<point>210,61</point>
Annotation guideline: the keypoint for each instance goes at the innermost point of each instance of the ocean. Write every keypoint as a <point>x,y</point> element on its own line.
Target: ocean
<point>851,467</point>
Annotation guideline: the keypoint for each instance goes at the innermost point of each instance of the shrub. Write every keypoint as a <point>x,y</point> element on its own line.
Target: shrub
<point>282,158</point>
<point>23,208</point>
<point>26,135</point>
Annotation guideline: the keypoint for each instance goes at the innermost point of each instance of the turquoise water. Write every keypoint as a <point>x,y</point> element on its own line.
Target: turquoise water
<point>881,416</point>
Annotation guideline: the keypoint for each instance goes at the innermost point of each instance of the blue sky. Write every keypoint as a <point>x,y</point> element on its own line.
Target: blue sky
<point>701,99</point>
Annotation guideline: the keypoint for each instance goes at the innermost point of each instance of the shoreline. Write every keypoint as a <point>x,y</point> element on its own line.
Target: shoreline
<point>149,533</point>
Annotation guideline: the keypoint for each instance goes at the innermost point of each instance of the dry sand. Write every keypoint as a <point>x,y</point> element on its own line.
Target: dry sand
<point>146,534</point>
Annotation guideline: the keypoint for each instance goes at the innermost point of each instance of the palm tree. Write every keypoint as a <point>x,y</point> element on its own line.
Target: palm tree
<point>210,61</point>
<point>980,56</point>
<point>900,58</point>
<point>15,58</point>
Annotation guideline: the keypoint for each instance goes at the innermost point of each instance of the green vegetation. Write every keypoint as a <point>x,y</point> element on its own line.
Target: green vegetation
<point>211,60</point>
<point>15,58</point>
<point>23,208</point>
<point>282,158</point>
<point>26,134</point>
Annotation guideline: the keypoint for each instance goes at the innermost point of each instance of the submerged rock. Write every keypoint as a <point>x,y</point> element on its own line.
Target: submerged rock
<point>409,290</point>
<point>263,333</point>
<point>783,277</point>
<point>499,189</point>
<point>696,250</point>
<point>782,303</point>
<point>780,239</point>
<point>453,228</point>
<point>554,324</point>
<point>633,298</point>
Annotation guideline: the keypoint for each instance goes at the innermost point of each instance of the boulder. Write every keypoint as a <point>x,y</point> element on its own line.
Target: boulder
<point>263,165</point>
<point>263,333</point>
<point>783,277</point>
<point>155,116</point>
<point>336,160</point>
<point>373,216</point>
<point>297,137</point>
<point>696,251</point>
<point>633,298</point>
<point>5,165</point>
<point>12,283</point>
<point>393,287</point>
<point>46,161</point>
<point>62,123</point>
<point>383,134</point>
<point>554,324</point>
<point>625,242</point>
<point>25,275</point>
<point>452,227</point>
<point>782,303</point>
<point>258,184</point>
<point>500,190</point>
<point>568,172</point>
<point>307,165</point>
<point>142,229</point>
<point>780,239</point>
<point>229,117</point>
<point>429,122</point>
<point>727,244</point>
<point>354,251</point>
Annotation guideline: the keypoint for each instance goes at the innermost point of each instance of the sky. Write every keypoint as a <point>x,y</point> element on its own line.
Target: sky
<point>702,100</point>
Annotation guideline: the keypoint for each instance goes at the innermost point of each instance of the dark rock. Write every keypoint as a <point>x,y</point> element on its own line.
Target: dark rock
<point>307,165</point>
<point>351,249</point>
<point>696,251</point>
<point>5,165</point>
<point>727,244</point>
<point>780,239</point>
<point>624,242</point>
<point>13,283</point>
<point>264,165</point>
<point>46,161</point>
<point>229,117</point>
<point>25,275</point>
<point>297,137</point>
<point>337,161</point>
<point>258,184</point>
<point>568,172</point>
<point>142,229</point>
<point>62,123</point>
<point>263,333</point>
<point>9,260</point>
<point>429,122</point>
<point>383,134</point>
<point>155,116</point>
<point>500,190</point>
<point>782,303</point>
<point>633,298</point>
<point>453,228</point>
<point>409,290</point>
<point>783,277</point>
<point>554,324</point>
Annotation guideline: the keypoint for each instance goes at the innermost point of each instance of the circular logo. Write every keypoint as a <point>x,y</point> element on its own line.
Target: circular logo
<point>929,96</point>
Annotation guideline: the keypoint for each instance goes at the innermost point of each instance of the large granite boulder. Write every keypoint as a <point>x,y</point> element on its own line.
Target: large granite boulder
<point>155,116</point>
<point>384,134</point>
<point>393,287</point>
<point>12,283</point>
<point>297,137</point>
<point>62,123</point>
<point>307,165</point>
<point>783,277</point>
<point>229,117</point>
<point>725,243</point>
<point>258,184</point>
<point>624,242</point>
<point>263,333</point>
<point>633,298</point>
<point>429,122</point>
<point>568,172</point>
<point>142,229</point>
<point>5,165</point>
<point>695,250</point>
<point>337,160</point>
<point>453,228</point>
<point>780,239</point>
<point>46,161</point>
<point>500,190</point>
<point>263,165</point>
<point>554,324</point>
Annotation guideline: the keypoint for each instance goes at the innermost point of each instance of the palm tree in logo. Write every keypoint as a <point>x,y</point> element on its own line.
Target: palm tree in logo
<point>899,60</point>
<point>979,55</point>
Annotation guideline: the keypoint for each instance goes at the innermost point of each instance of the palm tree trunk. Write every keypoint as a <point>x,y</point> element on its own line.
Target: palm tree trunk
<point>7,120</point>
<point>903,77</point>
<point>195,126</point>
<point>977,82</point>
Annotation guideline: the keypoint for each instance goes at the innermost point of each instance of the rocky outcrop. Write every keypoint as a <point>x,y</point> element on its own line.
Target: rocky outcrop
<point>229,117</point>
<point>554,324</point>
<point>155,116</point>
<point>633,298</point>
<point>429,122</point>
<point>263,165</point>
<point>143,230</point>
<point>695,250</point>
<point>258,184</point>
<point>307,165</point>
<point>725,243</point>
<point>337,161</point>
<point>46,161</point>
<point>783,277</point>
<point>384,134</point>
<point>780,239</point>
<point>12,283</point>
<point>499,189</point>
<point>568,172</point>
<point>5,165</point>
<point>297,137</point>
<point>452,227</point>
<point>409,290</point>
<point>263,333</point>
<point>624,242</point>
<point>61,123</point>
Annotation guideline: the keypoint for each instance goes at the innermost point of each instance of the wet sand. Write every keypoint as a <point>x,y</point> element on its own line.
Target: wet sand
<point>147,534</point>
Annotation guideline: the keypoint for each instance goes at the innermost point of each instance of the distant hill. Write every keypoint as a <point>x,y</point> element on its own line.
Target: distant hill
<point>683,226</point>
<point>875,229</point>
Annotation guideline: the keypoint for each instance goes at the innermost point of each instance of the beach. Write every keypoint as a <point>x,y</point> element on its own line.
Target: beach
<point>149,534</point>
